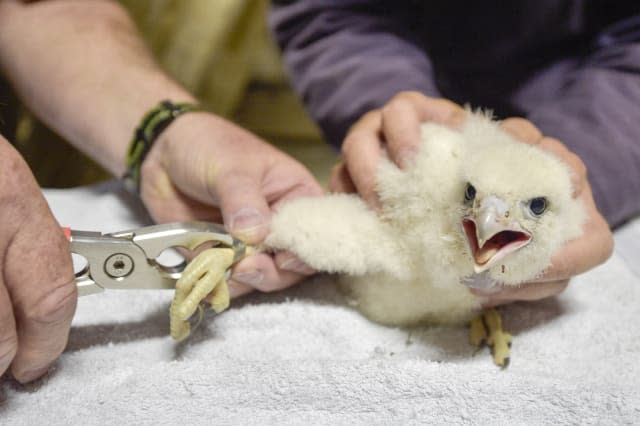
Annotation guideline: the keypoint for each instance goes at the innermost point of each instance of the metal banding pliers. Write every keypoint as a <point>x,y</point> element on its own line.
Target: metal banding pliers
<point>129,259</point>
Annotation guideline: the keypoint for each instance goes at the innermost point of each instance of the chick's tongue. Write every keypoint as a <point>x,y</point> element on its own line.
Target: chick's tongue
<point>486,252</point>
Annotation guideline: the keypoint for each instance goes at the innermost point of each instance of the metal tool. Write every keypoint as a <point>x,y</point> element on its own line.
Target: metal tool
<point>129,259</point>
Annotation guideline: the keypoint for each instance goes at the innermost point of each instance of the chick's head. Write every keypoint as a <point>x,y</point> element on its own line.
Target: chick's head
<point>517,204</point>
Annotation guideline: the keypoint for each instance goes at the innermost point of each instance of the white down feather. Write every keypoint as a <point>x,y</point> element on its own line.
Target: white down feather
<point>405,264</point>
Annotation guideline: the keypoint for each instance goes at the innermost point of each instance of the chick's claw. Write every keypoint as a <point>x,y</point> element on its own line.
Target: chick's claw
<point>204,275</point>
<point>179,329</point>
<point>219,298</point>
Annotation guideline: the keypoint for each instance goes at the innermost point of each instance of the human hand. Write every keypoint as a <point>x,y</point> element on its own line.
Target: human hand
<point>205,168</point>
<point>37,286</point>
<point>392,131</point>
<point>577,256</point>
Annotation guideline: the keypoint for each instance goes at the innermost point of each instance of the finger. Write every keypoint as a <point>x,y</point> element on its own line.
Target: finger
<point>244,208</point>
<point>362,152</point>
<point>435,110</point>
<point>524,292</point>
<point>8,336</point>
<point>260,272</point>
<point>292,186</point>
<point>290,262</point>
<point>522,129</point>
<point>340,180</point>
<point>401,126</point>
<point>402,117</point>
<point>238,289</point>
<point>40,280</point>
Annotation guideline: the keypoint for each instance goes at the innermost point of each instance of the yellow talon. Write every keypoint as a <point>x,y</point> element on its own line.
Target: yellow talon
<point>219,299</point>
<point>203,275</point>
<point>487,329</point>
<point>499,340</point>
<point>478,332</point>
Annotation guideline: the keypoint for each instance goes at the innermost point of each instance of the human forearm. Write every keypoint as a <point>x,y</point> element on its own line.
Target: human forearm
<point>596,116</point>
<point>82,67</point>
<point>348,57</point>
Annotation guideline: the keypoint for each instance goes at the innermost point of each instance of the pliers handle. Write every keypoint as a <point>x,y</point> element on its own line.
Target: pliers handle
<point>128,259</point>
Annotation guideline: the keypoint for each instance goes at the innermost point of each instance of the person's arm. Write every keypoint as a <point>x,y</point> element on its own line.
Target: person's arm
<point>82,67</point>
<point>347,57</point>
<point>595,111</point>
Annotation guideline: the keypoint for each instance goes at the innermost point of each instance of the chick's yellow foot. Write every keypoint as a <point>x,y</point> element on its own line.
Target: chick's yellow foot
<point>487,329</point>
<point>499,340</point>
<point>204,275</point>
<point>478,333</point>
<point>219,298</point>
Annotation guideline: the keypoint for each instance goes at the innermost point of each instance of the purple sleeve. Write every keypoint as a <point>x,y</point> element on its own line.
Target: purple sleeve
<point>347,57</point>
<point>596,113</point>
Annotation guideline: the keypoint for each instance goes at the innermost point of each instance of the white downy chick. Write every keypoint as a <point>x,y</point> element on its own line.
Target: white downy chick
<point>476,207</point>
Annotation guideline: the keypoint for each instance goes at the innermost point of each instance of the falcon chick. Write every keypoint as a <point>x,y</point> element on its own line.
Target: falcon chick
<point>475,208</point>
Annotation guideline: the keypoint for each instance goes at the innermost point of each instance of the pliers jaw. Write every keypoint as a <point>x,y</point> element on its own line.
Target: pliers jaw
<point>128,259</point>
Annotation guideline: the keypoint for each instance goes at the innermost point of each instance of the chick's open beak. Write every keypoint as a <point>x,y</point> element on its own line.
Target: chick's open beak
<point>492,232</point>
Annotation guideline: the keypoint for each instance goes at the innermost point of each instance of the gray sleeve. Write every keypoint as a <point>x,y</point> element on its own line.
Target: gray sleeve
<point>347,57</point>
<point>597,115</point>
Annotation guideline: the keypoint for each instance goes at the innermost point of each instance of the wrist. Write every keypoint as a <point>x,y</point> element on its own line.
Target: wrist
<point>147,133</point>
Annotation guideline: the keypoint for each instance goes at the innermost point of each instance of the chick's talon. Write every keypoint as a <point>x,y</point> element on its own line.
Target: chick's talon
<point>204,275</point>
<point>499,340</point>
<point>219,298</point>
<point>487,329</point>
<point>500,348</point>
<point>478,333</point>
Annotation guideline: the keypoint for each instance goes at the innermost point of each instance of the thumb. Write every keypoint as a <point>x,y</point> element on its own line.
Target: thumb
<point>245,210</point>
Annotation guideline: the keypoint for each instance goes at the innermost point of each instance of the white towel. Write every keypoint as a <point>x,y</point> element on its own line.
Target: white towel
<point>302,356</point>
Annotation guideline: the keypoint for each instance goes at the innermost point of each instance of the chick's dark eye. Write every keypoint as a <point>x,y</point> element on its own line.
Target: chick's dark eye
<point>538,205</point>
<point>469,193</point>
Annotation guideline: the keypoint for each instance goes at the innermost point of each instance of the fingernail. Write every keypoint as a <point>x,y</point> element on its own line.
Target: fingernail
<point>252,278</point>
<point>247,222</point>
<point>294,264</point>
<point>31,375</point>
<point>237,289</point>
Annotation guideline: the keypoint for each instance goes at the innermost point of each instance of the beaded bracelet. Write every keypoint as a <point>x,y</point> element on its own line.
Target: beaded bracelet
<point>152,124</point>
